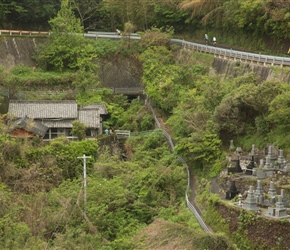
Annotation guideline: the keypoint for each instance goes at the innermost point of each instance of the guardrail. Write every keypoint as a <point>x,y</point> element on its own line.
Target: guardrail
<point>24,33</point>
<point>228,54</point>
<point>235,54</point>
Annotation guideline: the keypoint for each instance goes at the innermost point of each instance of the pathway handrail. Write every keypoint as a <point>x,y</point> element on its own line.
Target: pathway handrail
<point>190,206</point>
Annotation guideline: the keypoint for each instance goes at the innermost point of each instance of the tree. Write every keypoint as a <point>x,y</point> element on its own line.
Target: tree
<point>163,78</point>
<point>9,9</point>
<point>206,9</point>
<point>79,130</point>
<point>138,12</point>
<point>202,149</point>
<point>87,10</point>
<point>65,22</point>
<point>279,111</point>
<point>67,47</point>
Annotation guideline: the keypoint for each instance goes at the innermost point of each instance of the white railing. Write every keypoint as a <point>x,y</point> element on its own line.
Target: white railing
<point>235,54</point>
<point>228,54</point>
<point>190,206</point>
<point>122,134</point>
<point>24,33</point>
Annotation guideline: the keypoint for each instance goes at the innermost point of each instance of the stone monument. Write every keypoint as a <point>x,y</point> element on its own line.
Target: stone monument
<point>232,192</point>
<point>272,193</point>
<point>259,193</point>
<point>251,203</point>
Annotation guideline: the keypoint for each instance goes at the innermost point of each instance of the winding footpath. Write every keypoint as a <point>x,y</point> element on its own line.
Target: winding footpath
<point>189,202</point>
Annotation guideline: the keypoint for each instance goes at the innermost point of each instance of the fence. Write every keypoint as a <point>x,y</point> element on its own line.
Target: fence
<point>122,134</point>
<point>228,54</point>
<point>24,33</point>
<point>235,54</point>
<point>190,206</point>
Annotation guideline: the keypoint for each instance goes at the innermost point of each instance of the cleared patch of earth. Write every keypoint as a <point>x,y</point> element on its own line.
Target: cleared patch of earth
<point>161,235</point>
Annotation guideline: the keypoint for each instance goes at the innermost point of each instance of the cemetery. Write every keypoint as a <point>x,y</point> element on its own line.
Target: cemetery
<point>258,181</point>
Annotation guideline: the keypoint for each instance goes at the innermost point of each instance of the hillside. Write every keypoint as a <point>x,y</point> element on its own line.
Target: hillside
<point>164,235</point>
<point>120,71</point>
<point>134,192</point>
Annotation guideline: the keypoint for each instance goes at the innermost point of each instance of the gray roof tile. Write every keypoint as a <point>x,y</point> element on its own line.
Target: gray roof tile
<point>58,114</point>
<point>100,107</point>
<point>90,117</point>
<point>30,125</point>
<point>43,109</point>
<point>58,123</point>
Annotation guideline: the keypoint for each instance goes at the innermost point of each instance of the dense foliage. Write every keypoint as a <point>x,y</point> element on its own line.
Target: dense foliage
<point>122,196</point>
<point>41,192</point>
<point>231,21</point>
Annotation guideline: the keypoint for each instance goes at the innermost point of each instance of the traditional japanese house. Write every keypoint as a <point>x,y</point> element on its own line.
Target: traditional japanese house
<point>50,119</point>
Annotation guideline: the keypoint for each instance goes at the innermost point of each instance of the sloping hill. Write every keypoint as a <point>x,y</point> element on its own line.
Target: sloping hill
<point>164,235</point>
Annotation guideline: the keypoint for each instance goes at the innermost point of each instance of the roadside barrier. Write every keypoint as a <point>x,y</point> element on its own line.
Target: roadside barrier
<point>228,54</point>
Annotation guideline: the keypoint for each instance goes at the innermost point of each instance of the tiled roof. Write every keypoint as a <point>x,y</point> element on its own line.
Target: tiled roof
<point>100,107</point>
<point>60,123</point>
<point>30,125</point>
<point>90,117</point>
<point>58,114</point>
<point>44,109</point>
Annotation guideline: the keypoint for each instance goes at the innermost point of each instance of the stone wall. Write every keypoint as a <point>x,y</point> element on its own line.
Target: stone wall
<point>18,51</point>
<point>262,232</point>
<point>114,72</point>
<point>126,72</point>
<point>231,68</point>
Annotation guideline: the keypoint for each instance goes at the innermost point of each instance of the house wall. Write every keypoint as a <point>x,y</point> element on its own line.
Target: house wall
<point>57,132</point>
<point>22,133</point>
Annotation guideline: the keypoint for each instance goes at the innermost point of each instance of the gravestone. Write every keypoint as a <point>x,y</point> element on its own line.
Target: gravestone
<point>261,163</point>
<point>253,150</point>
<point>268,164</point>
<point>237,167</point>
<point>281,158</point>
<point>280,210</point>
<point>271,153</point>
<point>249,170</point>
<point>259,193</point>
<point>269,169</point>
<point>284,200</point>
<point>272,192</point>
<point>232,192</point>
<point>251,202</point>
<point>260,171</point>
<point>239,151</point>
<point>232,147</point>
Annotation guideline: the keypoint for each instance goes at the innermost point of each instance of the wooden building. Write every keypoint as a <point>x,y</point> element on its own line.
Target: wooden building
<point>50,119</point>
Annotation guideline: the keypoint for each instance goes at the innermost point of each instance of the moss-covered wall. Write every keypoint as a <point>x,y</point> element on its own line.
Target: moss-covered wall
<point>18,51</point>
<point>231,68</point>
<point>126,72</point>
<point>250,229</point>
<point>114,72</point>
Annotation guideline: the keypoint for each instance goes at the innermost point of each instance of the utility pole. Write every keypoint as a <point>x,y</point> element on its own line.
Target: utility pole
<point>84,157</point>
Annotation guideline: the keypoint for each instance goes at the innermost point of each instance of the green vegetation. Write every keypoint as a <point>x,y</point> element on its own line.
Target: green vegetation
<point>251,24</point>
<point>122,196</point>
<point>42,193</point>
